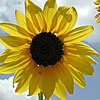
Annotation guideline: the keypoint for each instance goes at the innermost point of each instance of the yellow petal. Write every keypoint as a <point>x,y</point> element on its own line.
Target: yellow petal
<point>65,76</point>
<point>49,11</point>
<point>98,9</point>
<point>60,14</point>
<point>98,20</point>
<point>14,66</point>
<point>13,55</point>
<point>15,30</point>
<point>23,85</point>
<point>68,21</point>
<point>35,81</point>
<point>60,90</point>
<point>21,20</point>
<point>97,2</point>
<point>78,34</point>
<point>48,82</point>
<point>89,59</point>
<point>33,86</point>
<point>37,91</point>
<point>23,77</point>
<point>24,72</point>
<point>9,55</point>
<point>80,49</point>
<point>4,55</point>
<point>13,42</point>
<point>19,75</point>
<point>77,77</point>
<point>97,15</point>
<point>36,15</point>
<point>26,10</point>
<point>28,15</point>
<point>24,22</point>
<point>27,1</point>
<point>78,63</point>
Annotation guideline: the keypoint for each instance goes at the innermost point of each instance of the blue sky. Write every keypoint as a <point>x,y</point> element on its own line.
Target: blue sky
<point>86,12</point>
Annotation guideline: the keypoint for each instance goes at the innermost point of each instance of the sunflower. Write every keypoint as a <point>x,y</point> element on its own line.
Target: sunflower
<point>45,51</point>
<point>97,2</point>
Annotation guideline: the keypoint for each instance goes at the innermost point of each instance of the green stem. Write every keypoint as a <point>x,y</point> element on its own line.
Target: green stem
<point>40,96</point>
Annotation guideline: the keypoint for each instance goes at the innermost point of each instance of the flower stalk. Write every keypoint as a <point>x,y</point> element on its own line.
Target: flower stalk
<point>40,96</point>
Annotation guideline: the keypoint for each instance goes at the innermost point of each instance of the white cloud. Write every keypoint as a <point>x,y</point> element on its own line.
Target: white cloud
<point>7,92</point>
<point>7,9</point>
<point>84,11</point>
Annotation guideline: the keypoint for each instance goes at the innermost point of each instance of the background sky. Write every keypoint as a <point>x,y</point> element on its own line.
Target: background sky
<point>86,12</point>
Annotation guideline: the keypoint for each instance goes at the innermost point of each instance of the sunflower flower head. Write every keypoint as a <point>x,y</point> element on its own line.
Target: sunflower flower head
<point>45,52</point>
<point>97,2</point>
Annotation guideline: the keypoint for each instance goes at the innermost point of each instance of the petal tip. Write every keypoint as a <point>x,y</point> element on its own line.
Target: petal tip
<point>16,10</point>
<point>16,91</point>
<point>96,62</point>
<point>92,73</point>
<point>28,95</point>
<point>83,86</point>
<point>27,1</point>
<point>98,21</point>
<point>96,3</point>
<point>97,54</point>
<point>92,28</point>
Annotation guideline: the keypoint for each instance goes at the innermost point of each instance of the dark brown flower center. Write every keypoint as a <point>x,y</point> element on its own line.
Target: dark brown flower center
<point>46,49</point>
